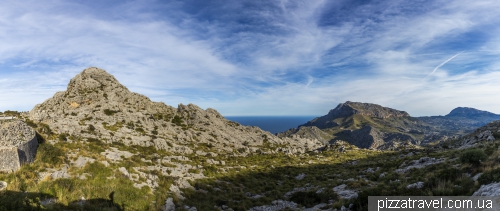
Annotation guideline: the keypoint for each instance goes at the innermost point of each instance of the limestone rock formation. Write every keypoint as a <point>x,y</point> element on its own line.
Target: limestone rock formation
<point>311,132</point>
<point>18,145</point>
<point>3,185</point>
<point>489,132</point>
<point>96,106</point>
<point>492,189</point>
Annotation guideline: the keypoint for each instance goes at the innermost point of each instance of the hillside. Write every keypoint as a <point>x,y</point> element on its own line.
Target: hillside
<point>365,125</point>
<point>96,106</point>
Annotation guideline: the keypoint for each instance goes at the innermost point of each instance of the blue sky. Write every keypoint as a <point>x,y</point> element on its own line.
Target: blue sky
<point>259,57</point>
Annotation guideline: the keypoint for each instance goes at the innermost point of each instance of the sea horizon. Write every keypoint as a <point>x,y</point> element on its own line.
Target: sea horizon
<point>273,124</point>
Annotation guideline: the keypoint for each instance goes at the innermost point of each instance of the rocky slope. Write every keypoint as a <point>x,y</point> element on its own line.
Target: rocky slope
<point>365,125</point>
<point>487,133</point>
<point>96,106</point>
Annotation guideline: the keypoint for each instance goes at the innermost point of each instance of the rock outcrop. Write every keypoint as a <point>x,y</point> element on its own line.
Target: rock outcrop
<point>492,189</point>
<point>18,145</point>
<point>96,106</point>
<point>310,132</point>
<point>489,132</point>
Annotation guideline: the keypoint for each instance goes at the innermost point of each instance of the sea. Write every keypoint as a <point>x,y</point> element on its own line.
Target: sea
<point>273,124</point>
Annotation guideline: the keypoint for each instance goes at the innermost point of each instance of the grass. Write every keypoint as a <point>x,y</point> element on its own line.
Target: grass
<point>243,182</point>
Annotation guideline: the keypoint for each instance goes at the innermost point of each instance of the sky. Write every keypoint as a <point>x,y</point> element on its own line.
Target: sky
<point>259,57</point>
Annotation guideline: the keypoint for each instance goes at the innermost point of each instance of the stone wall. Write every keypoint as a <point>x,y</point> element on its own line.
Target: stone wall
<point>18,145</point>
<point>9,159</point>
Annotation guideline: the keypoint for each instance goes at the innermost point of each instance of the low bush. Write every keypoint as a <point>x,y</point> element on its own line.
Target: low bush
<point>309,198</point>
<point>50,154</point>
<point>489,177</point>
<point>473,156</point>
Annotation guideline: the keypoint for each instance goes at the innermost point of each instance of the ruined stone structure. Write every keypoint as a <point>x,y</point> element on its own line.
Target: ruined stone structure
<point>18,145</point>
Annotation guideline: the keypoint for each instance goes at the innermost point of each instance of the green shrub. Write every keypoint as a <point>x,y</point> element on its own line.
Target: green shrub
<point>309,198</point>
<point>177,120</point>
<point>473,156</point>
<point>109,112</point>
<point>450,174</point>
<point>50,154</point>
<point>489,177</point>
<point>63,137</point>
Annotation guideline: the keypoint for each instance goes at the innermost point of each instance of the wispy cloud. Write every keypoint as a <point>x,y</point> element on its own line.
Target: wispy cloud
<point>252,57</point>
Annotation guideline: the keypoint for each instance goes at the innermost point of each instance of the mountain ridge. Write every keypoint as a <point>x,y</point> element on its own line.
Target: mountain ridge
<point>364,125</point>
<point>96,106</point>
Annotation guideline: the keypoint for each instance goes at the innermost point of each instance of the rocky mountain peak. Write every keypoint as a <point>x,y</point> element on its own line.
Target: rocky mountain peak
<point>367,109</point>
<point>97,107</point>
<point>93,80</point>
<point>470,112</point>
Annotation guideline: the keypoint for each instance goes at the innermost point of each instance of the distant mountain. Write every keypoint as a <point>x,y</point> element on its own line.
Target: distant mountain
<point>368,125</point>
<point>461,120</point>
<point>349,108</point>
<point>471,113</point>
<point>365,125</point>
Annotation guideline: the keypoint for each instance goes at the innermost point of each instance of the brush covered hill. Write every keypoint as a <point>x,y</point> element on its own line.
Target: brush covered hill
<point>461,120</point>
<point>96,106</point>
<point>364,125</point>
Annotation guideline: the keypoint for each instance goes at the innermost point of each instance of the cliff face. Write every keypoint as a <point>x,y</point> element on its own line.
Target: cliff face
<point>96,106</point>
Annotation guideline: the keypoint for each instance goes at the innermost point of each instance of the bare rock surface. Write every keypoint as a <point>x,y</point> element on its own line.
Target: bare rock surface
<point>81,161</point>
<point>345,193</point>
<point>492,189</point>
<point>169,205</point>
<point>3,185</point>
<point>114,155</point>
<point>420,163</point>
<point>416,185</point>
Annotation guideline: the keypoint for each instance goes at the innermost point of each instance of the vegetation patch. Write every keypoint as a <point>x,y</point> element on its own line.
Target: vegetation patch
<point>109,112</point>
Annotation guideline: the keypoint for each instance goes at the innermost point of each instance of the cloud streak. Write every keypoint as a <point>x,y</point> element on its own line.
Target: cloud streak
<point>258,58</point>
<point>443,63</point>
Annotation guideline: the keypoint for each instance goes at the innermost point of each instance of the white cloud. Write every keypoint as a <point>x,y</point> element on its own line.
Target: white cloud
<point>295,66</point>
